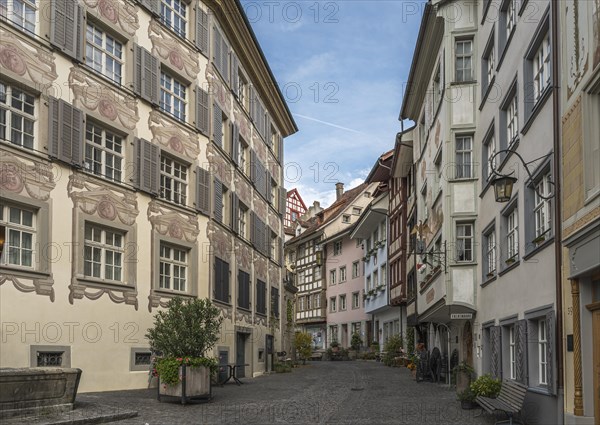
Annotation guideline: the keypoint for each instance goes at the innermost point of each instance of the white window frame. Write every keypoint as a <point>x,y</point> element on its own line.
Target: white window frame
<point>343,274</point>
<point>173,96</point>
<point>26,18</point>
<point>355,269</point>
<point>512,353</point>
<point>332,304</point>
<point>541,208</point>
<point>355,300</point>
<point>343,302</point>
<point>462,239</point>
<point>463,55</point>
<point>511,17</point>
<point>512,234</point>
<point>541,68</point>
<point>100,56</point>
<point>512,120</point>
<point>20,229</point>
<point>332,277</point>
<point>337,248</point>
<point>490,252</point>
<point>242,220</point>
<point>110,252</point>
<point>490,147</point>
<point>173,14</point>
<point>103,152</point>
<point>14,115</point>
<point>542,353</point>
<point>172,267</point>
<point>317,300</point>
<point>174,173</point>
<point>464,156</point>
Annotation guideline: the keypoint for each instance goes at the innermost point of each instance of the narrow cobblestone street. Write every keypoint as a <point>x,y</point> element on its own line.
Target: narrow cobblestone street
<point>322,392</point>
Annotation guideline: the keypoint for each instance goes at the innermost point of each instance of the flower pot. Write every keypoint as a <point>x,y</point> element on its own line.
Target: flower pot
<point>194,383</point>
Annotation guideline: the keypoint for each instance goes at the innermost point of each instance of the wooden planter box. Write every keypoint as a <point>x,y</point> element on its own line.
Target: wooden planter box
<point>37,390</point>
<point>194,384</point>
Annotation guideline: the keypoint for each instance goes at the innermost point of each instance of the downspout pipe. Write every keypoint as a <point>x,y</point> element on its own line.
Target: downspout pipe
<point>556,112</point>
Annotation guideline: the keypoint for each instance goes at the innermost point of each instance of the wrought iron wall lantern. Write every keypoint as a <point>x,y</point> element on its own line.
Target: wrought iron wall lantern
<point>503,183</point>
<point>438,258</point>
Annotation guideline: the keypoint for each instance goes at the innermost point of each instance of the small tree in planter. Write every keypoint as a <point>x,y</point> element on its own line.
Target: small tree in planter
<point>303,344</point>
<point>467,399</point>
<point>183,334</point>
<point>356,341</point>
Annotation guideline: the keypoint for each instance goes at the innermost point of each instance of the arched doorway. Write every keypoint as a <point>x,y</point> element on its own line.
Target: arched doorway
<point>468,343</point>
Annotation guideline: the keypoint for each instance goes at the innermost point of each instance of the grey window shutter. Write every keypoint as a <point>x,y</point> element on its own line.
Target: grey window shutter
<point>225,60</point>
<point>280,243</point>
<point>203,191</point>
<point>496,351</point>
<point>80,34</point>
<point>202,111</point>
<point>218,200</point>
<point>268,131</point>
<point>252,104</point>
<point>280,148</point>
<point>64,24</point>
<point>65,132</point>
<point>235,144</point>
<point>268,184</point>
<point>148,171</point>
<point>217,125</point>
<point>153,6</point>
<point>235,205</point>
<point>217,287</point>
<point>146,76</point>
<point>252,166</point>
<point>252,228</point>
<point>550,337</point>
<point>282,200</point>
<point>226,291</point>
<point>521,351</point>
<point>53,127</point>
<point>216,53</point>
<point>202,30</point>
<point>235,81</point>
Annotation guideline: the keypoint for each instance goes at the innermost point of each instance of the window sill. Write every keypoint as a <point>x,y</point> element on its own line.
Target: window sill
<point>96,75</point>
<point>510,267</point>
<point>463,83</point>
<point>31,154</point>
<point>488,280</point>
<point>175,120</point>
<point>540,247</point>
<point>23,272</point>
<point>462,180</point>
<point>105,180</point>
<point>221,302</point>
<point>536,109</point>
<point>244,309</point>
<point>592,197</point>
<point>93,281</point>
<point>183,38</point>
<point>542,390</point>
<point>172,293</point>
<point>182,208</point>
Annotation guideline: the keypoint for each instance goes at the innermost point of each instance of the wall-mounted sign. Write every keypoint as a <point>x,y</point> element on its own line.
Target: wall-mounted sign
<point>461,316</point>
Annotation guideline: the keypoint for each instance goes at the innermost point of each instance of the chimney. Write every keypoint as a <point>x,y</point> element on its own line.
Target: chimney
<point>339,191</point>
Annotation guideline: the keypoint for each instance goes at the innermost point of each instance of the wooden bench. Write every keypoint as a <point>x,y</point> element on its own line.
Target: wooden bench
<point>316,355</point>
<point>510,400</point>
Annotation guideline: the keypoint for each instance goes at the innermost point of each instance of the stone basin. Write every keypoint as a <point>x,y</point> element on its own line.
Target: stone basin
<point>37,390</point>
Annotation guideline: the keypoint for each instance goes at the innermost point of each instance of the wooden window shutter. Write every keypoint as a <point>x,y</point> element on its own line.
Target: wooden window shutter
<point>235,80</point>
<point>226,282</point>
<point>146,76</point>
<point>235,144</point>
<point>225,69</point>
<point>282,199</point>
<point>66,132</point>
<point>218,200</point>
<point>280,243</point>
<point>148,171</point>
<point>153,6</point>
<point>268,131</point>
<point>521,351</point>
<point>268,185</point>
<point>217,125</point>
<point>65,23</point>
<point>279,148</point>
<point>217,285</point>
<point>203,191</point>
<point>496,351</point>
<point>235,205</point>
<point>216,53</point>
<point>550,345</point>
<point>201,30</point>
<point>252,228</point>
<point>202,111</point>
<point>252,103</point>
<point>252,166</point>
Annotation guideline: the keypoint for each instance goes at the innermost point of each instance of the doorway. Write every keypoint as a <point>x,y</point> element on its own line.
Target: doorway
<point>468,343</point>
<point>594,308</point>
<point>240,353</point>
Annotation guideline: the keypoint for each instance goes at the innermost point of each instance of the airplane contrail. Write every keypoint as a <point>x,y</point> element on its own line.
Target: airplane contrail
<point>329,124</point>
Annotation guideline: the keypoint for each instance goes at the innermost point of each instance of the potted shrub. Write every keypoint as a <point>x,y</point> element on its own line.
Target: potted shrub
<point>462,374</point>
<point>510,261</point>
<point>335,346</point>
<point>183,334</point>
<point>303,345</point>
<point>486,386</point>
<point>467,399</point>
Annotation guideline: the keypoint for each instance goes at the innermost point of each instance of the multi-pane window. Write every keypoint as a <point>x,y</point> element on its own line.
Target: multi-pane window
<point>512,120</point>
<point>511,16</point>
<point>512,235</point>
<point>355,269</point>
<point>490,148</point>
<point>332,275</point>
<point>337,248</point>
<point>317,300</point>
<point>464,60</point>
<point>173,180</point>
<point>512,352</point>
<point>103,253</point>
<point>20,12</point>
<point>356,300</point>
<point>103,152</point>
<point>173,14</point>
<point>342,302</point>
<point>542,353</point>
<point>20,229</point>
<point>541,207</point>
<point>242,220</point>
<point>369,283</point>
<point>332,304</point>
<point>375,278</point>
<point>490,65</point>
<point>17,116</point>
<point>172,267</point>
<point>244,164</point>
<point>172,96</point>
<point>242,89</point>
<point>541,69</point>
<point>103,53</point>
<point>490,251</point>
<point>343,274</point>
<point>464,242</point>
<point>464,154</point>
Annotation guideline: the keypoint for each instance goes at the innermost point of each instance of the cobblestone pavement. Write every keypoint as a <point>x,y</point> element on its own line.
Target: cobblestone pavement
<point>355,392</point>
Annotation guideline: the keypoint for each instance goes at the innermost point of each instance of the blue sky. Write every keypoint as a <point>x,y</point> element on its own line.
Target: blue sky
<point>341,66</point>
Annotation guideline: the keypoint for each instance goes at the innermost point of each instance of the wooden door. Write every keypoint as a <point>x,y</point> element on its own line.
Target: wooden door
<point>240,357</point>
